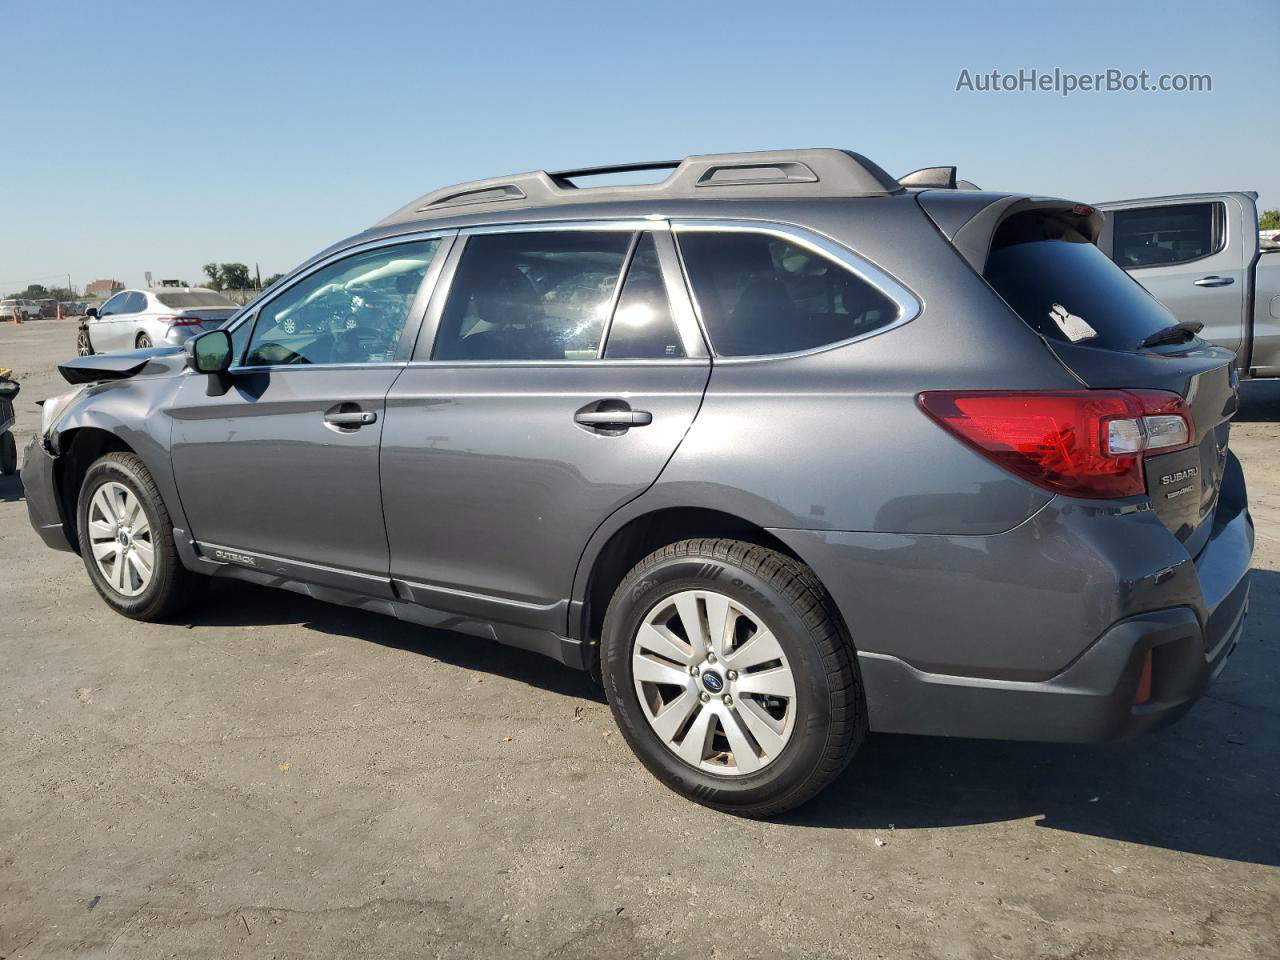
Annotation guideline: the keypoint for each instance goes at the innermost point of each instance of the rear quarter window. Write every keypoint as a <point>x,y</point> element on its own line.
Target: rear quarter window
<point>759,295</point>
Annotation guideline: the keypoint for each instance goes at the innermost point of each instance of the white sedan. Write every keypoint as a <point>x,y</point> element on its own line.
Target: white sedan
<point>165,316</point>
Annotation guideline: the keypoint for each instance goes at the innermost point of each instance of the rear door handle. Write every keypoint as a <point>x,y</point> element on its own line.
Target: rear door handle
<point>351,418</point>
<point>1212,281</point>
<point>613,419</point>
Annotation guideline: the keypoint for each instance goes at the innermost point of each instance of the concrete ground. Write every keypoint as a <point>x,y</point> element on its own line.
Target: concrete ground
<point>282,778</point>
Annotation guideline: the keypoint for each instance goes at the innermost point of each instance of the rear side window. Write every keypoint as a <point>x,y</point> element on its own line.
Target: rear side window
<point>1070,292</point>
<point>760,294</point>
<point>1155,236</point>
<point>543,295</point>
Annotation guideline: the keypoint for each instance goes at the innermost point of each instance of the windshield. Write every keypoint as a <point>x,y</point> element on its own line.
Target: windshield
<point>196,298</point>
<point>1069,291</point>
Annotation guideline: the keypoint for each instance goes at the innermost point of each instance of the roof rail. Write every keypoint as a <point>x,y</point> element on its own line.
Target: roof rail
<point>821,172</point>
<point>936,178</point>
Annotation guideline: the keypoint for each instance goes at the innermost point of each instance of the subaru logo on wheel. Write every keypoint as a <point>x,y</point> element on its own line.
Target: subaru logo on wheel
<point>713,682</point>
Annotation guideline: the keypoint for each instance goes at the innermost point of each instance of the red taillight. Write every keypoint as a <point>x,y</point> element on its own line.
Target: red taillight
<point>182,321</point>
<point>1085,443</point>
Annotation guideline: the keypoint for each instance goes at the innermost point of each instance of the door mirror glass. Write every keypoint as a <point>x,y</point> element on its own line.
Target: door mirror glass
<point>92,313</point>
<point>210,352</point>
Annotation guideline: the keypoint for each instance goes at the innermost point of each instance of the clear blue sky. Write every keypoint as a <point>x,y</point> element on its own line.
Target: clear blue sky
<point>159,136</point>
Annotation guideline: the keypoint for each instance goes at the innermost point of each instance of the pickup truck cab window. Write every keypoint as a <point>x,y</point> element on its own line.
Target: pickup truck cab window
<point>1168,234</point>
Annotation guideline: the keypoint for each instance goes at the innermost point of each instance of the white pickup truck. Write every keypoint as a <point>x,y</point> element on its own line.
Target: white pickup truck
<point>1201,256</point>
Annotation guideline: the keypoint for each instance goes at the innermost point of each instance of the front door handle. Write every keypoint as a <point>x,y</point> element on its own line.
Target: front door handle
<point>613,419</point>
<point>350,418</point>
<point>1213,281</point>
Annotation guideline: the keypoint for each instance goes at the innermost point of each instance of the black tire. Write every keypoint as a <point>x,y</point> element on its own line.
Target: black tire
<point>142,342</point>
<point>8,454</point>
<point>84,346</point>
<point>831,712</point>
<point>172,587</point>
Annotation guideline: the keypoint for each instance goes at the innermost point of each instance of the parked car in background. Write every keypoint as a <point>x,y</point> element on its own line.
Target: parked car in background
<point>26,309</point>
<point>47,308</point>
<point>1201,256</point>
<point>72,308</point>
<point>134,319</point>
<point>778,448</point>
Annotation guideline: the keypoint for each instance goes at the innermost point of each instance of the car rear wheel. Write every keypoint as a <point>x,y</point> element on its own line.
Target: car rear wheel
<point>143,341</point>
<point>731,676</point>
<point>126,541</point>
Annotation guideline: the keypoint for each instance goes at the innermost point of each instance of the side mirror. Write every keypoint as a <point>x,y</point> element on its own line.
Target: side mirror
<point>210,352</point>
<point>92,313</point>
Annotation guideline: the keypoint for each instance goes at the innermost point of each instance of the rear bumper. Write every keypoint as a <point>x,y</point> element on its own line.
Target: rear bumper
<point>41,494</point>
<point>1187,614</point>
<point>1090,701</point>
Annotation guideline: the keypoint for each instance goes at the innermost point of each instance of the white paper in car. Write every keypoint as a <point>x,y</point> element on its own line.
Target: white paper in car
<point>1073,328</point>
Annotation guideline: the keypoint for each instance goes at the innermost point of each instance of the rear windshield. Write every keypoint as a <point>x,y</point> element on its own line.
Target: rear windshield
<point>197,298</point>
<point>1070,292</point>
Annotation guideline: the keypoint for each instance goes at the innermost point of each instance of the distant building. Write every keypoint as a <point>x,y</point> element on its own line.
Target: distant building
<point>102,288</point>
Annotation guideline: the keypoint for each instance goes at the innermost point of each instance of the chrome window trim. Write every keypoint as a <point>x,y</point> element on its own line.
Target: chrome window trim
<point>909,305</point>
<point>412,323</point>
<point>652,222</point>
<point>319,366</point>
<point>593,363</point>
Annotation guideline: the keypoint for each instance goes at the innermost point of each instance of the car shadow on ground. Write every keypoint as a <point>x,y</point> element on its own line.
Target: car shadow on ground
<point>10,488</point>
<point>1208,785</point>
<point>1259,401</point>
<point>235,604</point>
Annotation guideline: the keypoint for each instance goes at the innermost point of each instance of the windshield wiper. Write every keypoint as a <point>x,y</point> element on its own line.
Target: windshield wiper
<point>1177,333</point>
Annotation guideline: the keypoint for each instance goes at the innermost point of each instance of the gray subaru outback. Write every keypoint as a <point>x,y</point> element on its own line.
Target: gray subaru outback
<point>780,448</point>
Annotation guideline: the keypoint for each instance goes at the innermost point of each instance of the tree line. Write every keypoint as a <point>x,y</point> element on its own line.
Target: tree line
<point>236,276</point>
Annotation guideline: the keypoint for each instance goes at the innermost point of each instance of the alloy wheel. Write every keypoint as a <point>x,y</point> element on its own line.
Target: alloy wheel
<point>714,683</point>
<point>121,539</point>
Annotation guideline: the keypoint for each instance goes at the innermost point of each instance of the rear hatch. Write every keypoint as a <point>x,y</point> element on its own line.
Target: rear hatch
<point>1111,333</point>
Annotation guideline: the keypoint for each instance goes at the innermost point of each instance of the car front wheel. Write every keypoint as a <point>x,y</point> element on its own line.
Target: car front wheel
<point>84,347</point>
<point>731,676</point>
<point>126,541</point>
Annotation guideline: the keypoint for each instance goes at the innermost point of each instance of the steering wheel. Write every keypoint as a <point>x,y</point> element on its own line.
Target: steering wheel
<point>357,344</point>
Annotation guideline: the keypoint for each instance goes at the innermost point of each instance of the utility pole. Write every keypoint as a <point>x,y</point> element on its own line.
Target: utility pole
<point>258,271</point>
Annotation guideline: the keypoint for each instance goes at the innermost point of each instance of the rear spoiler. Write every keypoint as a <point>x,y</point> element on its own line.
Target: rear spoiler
<point>969,218</point>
